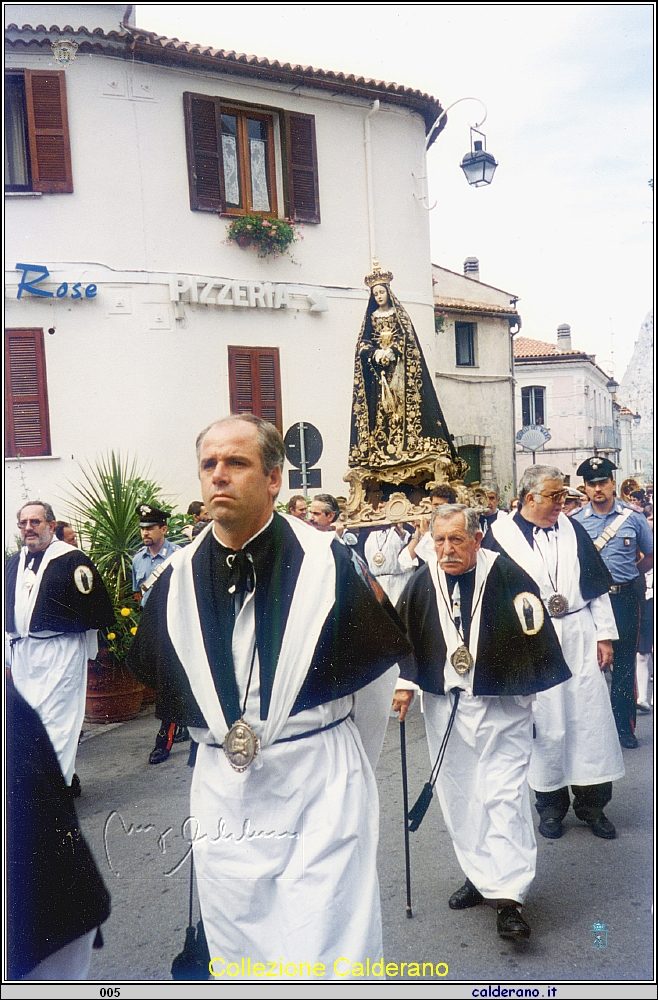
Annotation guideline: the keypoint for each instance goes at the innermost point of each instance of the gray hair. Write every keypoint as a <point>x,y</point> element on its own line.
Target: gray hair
<point>329,503</point>
<point>448,510</point>
<point>534,476</point>
<point>270,442</point>
<point>48,512</point>
<point>490,486</point>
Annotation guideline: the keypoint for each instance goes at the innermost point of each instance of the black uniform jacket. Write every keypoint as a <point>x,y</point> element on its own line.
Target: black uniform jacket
<point>594,576</point>
<point>508,661</point>
<point>60,605</point>
<point>55,893</point>
<point>358,642</point>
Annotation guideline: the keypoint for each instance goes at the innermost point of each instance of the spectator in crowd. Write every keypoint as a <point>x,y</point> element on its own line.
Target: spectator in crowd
<point>297,507</point>
<point>65,533</point>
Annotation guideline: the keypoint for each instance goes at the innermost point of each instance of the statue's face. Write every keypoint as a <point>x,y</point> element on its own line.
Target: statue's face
<point>380,294</point>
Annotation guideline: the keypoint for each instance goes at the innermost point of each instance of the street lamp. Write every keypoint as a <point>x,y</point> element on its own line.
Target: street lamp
<point>636,420</point>
<point>479,166</point>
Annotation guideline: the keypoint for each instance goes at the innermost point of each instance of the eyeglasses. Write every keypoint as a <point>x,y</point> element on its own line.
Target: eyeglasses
<point>559,496</point>
<point>34,522</point>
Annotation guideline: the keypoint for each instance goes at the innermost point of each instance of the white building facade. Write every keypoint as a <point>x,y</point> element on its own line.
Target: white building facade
<point>566,392</point>
<point>476,324</point>
<point>131,322</point>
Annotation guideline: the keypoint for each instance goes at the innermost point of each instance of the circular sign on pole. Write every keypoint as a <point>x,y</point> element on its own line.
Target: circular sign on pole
<point>312,449</point>
<point>532,437</point>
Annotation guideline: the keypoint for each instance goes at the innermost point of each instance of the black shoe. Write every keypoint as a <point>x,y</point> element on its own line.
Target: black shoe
<point>510,924</point>
<point>602,827</point>
<point>551,828</point>
<point>628,741</point>
<point>181,734</point>
<point>465,897</point>
<point>158,756</point>
<point>75,787</point>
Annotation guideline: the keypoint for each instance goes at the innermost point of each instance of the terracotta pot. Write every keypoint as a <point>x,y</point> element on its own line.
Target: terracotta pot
<point>148,696</point>
<point>243,240</point>
<point>113,694</point>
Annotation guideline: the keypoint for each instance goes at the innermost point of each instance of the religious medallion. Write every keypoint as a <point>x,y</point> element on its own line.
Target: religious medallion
<point>240,745</point>
<point>379,558</point>
<point>557,605</point>
<point>461,660</point>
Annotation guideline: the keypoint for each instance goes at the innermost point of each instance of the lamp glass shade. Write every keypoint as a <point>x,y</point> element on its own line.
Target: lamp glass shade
<point>479,166</point>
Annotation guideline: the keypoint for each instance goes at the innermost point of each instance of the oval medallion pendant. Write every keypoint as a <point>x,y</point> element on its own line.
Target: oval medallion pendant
<point>557,605</point>
<point>240,745</point>
<point>461,660</point>
<point>379,558</point>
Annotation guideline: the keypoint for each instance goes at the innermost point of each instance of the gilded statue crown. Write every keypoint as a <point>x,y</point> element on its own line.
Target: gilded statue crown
<point>377,276</point>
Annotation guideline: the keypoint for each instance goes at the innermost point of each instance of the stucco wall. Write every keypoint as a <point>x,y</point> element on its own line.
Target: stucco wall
<point>136,379</point>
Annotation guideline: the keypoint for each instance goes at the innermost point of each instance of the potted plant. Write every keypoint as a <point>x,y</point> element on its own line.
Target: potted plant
<point>271,236</point>
<point>105,505</point>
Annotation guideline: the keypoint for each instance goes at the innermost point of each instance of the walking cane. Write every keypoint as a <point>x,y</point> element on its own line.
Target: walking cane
<point>405,802</point>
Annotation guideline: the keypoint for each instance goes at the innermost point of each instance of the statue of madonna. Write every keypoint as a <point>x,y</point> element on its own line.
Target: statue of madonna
<point>396,416</point>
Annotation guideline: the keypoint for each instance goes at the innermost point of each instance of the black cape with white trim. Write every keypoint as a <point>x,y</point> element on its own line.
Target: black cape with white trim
<point>358,642</point>
<point>509,661</point>
<point>61,606</point>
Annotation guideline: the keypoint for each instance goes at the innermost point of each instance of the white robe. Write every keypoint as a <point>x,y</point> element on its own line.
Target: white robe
<point>50,669</point>
<point>576,738</point>
<point>391,575</point>
<point>285,852</point>
<point>482,785</point>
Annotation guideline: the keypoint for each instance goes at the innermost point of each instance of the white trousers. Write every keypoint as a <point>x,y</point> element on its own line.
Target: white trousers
<point>51,674</point>
<point>483,790</point>
<point>70,962</point>
<point>285,852</point>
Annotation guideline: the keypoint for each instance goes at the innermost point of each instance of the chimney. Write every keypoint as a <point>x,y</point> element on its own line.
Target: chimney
<point>564,337</point>
<point>472,268</point>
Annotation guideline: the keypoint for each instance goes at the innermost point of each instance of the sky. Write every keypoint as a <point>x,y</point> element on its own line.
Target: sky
<point>567,224</point>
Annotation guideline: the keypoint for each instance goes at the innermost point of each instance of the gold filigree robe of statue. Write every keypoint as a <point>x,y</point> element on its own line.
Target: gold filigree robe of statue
<point>396,417</point>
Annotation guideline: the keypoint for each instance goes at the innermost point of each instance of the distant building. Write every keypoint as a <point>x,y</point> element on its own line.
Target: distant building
<point>565,391</point>
<point>474,379</point>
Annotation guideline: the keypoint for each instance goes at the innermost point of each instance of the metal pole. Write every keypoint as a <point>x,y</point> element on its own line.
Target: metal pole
<point>302,455</point>
<point>405,802</point>
<point>534,457</point>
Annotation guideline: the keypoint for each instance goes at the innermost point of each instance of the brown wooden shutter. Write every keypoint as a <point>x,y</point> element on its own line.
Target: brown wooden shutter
<point>203,136</point>
<point>255,382</point>
<point>48,131</point>
<point>26,398</point>
<point>301,167</point>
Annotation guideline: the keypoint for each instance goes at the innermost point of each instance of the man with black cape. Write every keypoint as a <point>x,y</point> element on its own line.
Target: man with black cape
<point>264,641</point>
<point>484,648</point>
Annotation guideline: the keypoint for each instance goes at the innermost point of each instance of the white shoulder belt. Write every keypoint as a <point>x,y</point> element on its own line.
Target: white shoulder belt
<point>612,529</point>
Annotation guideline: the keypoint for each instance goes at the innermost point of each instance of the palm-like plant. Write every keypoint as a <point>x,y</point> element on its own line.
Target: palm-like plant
<point>105,505</point>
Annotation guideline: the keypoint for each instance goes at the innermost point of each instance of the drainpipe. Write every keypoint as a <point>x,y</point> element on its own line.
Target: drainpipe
<point>369,188</point>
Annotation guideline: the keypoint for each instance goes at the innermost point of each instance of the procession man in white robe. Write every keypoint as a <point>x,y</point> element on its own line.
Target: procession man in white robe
<point>576,742</point>
<point>483,648</point>
<point>55,603</point>
<point>262,638</point>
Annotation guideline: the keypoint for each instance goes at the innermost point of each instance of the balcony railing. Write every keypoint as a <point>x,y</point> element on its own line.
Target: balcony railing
<point>607,437</point>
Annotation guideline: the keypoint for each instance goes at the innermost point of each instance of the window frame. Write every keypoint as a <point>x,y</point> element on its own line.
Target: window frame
<point>297,147</point>
<point>529,400</point>
<point>38,132</point>
<point>244,161</point>
<point>472,344</point>
<point>12,450</point>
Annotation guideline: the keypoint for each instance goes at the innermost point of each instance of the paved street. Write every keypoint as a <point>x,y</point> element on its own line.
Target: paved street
<point>132,815</point>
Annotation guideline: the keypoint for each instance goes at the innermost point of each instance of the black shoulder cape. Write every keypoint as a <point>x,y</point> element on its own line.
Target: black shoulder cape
<point>508,661</point>
<point>358,643</point>
<point>60,606</point>
<point>55,893</point>
<point>595,579</point>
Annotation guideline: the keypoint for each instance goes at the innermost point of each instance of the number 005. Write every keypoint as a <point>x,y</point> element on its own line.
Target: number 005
<point>111,992</point>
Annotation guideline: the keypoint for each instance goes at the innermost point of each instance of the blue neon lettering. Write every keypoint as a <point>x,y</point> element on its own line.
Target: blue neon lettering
<point>29,286</point>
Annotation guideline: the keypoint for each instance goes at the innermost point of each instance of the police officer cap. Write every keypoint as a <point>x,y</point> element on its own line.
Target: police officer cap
<point>595,470</point>
<point>149,515</point>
